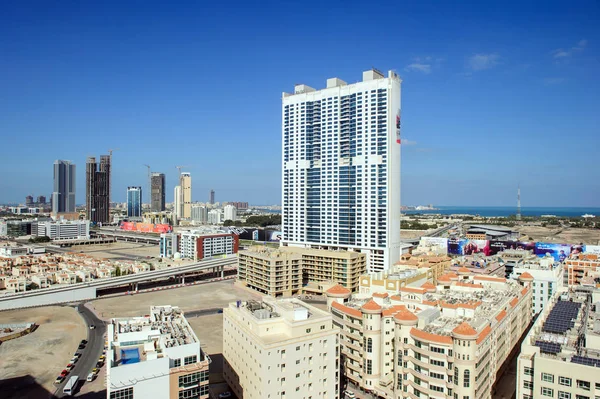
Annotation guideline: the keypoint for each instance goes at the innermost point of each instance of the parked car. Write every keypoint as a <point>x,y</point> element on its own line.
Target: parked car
<point>59,379</point>
<point>225,395</point>
<point>90,377</point>
<point>99,365</point>
<point>74,359</point>
<point>95,371</point>
<point>77,355</point>
<point>64,373</point>
<point>70,366</point>
<point>92,326</point>
<point>349,395</point>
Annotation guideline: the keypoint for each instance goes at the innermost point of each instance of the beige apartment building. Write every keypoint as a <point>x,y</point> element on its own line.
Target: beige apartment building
<point>433,341</point>
<point>392,281</point>
<point>288,271</point>
<point>436,265</point>
<point>579,266</point>
<point>560,357</point>
<point>280,348</point>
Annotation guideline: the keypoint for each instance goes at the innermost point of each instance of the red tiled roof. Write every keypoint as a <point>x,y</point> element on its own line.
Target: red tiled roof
<point>371,305</point>
<point>464,328</point>
<point>413,290</point>
<point>347,310</point>
<point>501,315</point>
<point>442,339</point>
<point>526,276</point>
<point>381,295</point>
<point>338,289</point>
<point>484,333</point>
<point>428,286</point>
<point>490,278</point>
<point>406,315</point>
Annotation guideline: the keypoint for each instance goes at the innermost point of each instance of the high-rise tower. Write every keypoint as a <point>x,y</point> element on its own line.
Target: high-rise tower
<point>63,194</point>
<point>211,197</point>
<point>341,167</point>
<point>134,202</point>
<point>519,203</point>
<point>186,195</point>
<point>97,189</point>
<point>158,192</point>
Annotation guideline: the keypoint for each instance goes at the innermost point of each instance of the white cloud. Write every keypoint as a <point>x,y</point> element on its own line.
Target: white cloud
<point>479,62</point>
<point>553,81</point>
<point>408,142</point>
<point>562,53</point>
<point>415,66</point>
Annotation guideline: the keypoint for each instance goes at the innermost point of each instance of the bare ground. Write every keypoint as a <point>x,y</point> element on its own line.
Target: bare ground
<point>569,235</point>
<point>30,364</point>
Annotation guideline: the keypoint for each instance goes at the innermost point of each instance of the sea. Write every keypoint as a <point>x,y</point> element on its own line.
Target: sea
<point>498,211</point>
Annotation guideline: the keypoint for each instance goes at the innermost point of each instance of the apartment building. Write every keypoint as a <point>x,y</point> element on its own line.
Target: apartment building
<point>289,270</point>
<point>436,341</point>
<point>579,266</point>
<point>392,281</point>
<point>479,264</point>
<point>560,357</point>
<point>157,192</point>
<point>436,264</point>
<point>155,356</point>
<point>169,245</point>
<point>546,277</point>
<point>62,229</point>
<point>197,245</point>
<point>512,258</point>
<point>341,167</point>
<point>230,212</point>
<point>280,348</point>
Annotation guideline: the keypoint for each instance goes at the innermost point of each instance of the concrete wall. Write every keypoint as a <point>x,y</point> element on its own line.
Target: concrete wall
<point>40,298</point>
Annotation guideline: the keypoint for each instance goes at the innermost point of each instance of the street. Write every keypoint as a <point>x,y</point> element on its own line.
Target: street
<point>91,353</point>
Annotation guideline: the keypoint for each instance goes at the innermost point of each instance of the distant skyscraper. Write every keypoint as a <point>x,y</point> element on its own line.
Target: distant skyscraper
<point>63,195</point>
<point>341,167</point>
<point>134,202</point>
<point>97,189</point>
<point>211,197</point>
<point>177,204</point>
<point>158,192</point>
<point>230,212</point>
<point>41,200</point>
<point>186,195</point>
<point>29,200</point>
<point>199,213</point>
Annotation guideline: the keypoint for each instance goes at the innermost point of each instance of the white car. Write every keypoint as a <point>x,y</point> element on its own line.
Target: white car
<point>92,327</point>
<point>349,395</point>
<point>90,377</point>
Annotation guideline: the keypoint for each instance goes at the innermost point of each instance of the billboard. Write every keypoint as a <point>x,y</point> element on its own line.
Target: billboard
<point>463,246</point>
<point>438,244</point>
<point>590,249</point>
<point>146,227</point>
<point>559,252</point>
<point>276,236</point>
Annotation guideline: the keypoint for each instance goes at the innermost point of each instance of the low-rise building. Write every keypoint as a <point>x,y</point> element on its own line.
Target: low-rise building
<point>62,229</point>
<point>155,356</point>
<point>13,251</point>
<point>514,258</point>
<point>479,264</point>
<point>438,341</point>
<point>560,356</point>
<point>580,265</point>
<point>546,277</point>
<point>280,348</point>
<point>169,245</point>
<point>436,265</point>
<point>491,232</point>
<point>392,281</point>
<point>197,245</point>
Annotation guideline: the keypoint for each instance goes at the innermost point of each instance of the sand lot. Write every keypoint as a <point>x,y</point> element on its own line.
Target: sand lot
<point>42,354</point>
<point>119,249</point>
<point>562,235</point>
<point>202,296</point>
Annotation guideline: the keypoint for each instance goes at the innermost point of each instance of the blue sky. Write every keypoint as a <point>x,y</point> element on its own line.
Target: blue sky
<point>493,95</point>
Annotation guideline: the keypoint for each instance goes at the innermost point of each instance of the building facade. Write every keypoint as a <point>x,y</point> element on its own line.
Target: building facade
<point>288,271</point>
<point>560,357</point>
<point>155,356</point>
<point>341,167</point>
<point>157,192</point>
<point>177,204</point>
<point>169,245</point>
<point>134,202</point>
<point>215,216</point>
<point>197,245</point>
<point>97,189</point>
<point>579,266</point>
<point>436,341</point>
<point>280,348</point>
<point>230,212</point>
<point>63,193</point>
<point>186,195</point>
<point>199,213</point>
<point>62,230</point>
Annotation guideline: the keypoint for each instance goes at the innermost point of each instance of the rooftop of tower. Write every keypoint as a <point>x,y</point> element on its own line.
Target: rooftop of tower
<point>370,75</point>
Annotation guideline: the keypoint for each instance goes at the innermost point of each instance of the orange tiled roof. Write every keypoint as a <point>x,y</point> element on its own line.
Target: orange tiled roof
<point>468,285</point>
<point>514,302</point>
<point>406,315</point>
<point>338,289</point>
<point>413,290</point>
<point>490,278</point>
<point>526,275</point>
<point>371,305</point>
<point>484,333</point>
<point>464,328</point>
<point>347,310</point>
<point>442,339</point>
<point>395,298</point>
<point>501,315</point>
<point>381,295</point>
<point>463,269</point>
<point>393,310</point>
<point>428,286</point>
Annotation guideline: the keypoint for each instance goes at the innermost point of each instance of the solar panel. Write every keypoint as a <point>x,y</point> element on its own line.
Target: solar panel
<point>548,347</point>
<point>561,317</point>
<point>586,361</point>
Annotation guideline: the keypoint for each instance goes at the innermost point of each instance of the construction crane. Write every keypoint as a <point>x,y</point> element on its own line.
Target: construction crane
<point>149,186</point>
<point>110,177</point>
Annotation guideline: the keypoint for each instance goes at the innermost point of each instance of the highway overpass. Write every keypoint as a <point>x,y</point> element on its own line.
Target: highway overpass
<point>88,290</point>
<point>126,236</point>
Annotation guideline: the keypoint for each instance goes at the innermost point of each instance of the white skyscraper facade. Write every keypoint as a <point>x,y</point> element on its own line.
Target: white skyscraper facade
<point>341,167</point>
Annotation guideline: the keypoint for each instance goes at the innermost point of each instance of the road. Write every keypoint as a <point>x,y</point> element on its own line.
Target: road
<point>92,351</point>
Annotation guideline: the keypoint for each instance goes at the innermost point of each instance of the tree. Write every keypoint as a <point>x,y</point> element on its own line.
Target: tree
<point>228,222</point>
<point>117,271</point>
<point>33,286</point>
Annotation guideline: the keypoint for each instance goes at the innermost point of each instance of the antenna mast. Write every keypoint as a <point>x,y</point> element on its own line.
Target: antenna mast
<point>519,202</point>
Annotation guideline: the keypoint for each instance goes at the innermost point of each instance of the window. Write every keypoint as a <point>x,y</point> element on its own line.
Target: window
<point>585,385</point>
<point>369,366</point>
<point>528,371</point>
<point>456,374</point>
<point>547,377</point>
<point>527,384</point>
<point>193,392</point>
<point>190,359</point>
<point>548,392</point>
<point>369,345</point>
<point>176,362</point>
<point>192,379</point>
<point>467,379</point>
<point>564,381</point>
<point>582,397</point>
<point>564,395</point>
<point>126,393</point>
